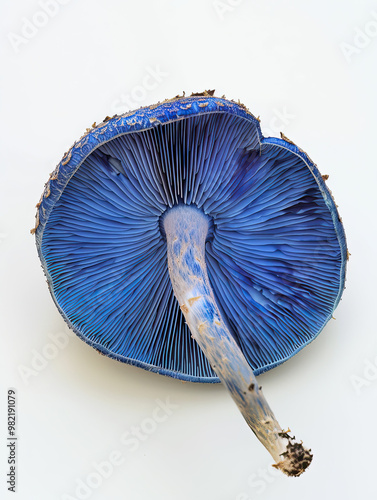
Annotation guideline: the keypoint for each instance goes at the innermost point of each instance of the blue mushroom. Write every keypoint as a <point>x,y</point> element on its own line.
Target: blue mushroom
<point>178,239</point>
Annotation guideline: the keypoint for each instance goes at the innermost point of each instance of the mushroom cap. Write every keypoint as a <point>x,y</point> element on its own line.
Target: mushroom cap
<point>275,253</point>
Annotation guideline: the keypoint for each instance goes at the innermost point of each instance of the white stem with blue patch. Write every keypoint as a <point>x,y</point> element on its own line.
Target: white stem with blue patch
<point>186,229</point>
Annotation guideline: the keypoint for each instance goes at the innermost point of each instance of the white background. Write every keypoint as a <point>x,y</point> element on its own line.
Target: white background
<point>306,68</point>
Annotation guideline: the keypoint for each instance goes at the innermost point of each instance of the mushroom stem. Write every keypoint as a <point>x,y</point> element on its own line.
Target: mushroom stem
<point>186,229</point>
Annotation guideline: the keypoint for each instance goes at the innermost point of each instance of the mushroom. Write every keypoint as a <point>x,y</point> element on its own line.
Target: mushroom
<point>178,239</point>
